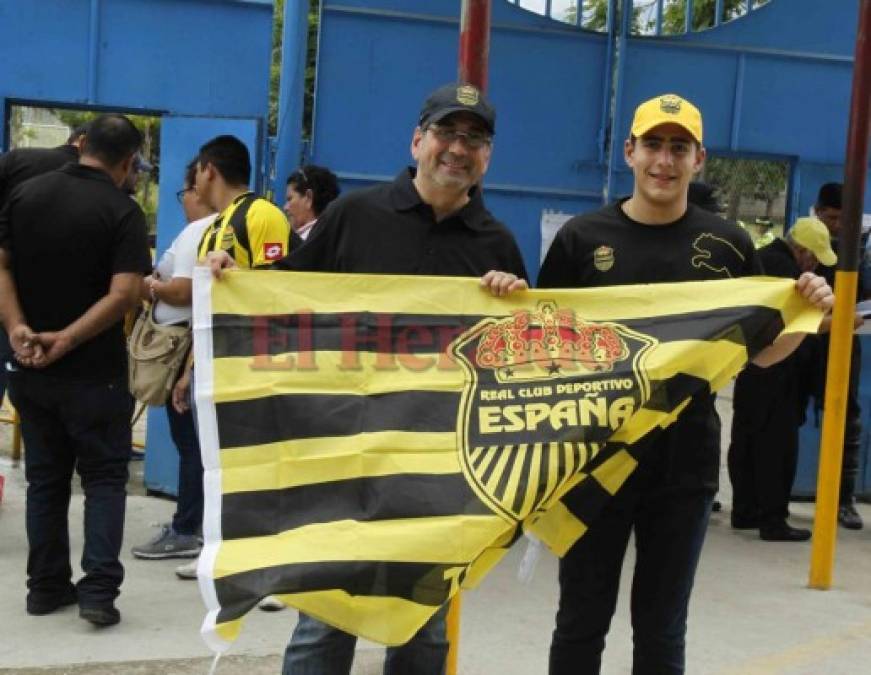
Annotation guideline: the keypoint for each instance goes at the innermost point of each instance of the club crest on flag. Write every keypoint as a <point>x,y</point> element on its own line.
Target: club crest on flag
<point>544,391</point>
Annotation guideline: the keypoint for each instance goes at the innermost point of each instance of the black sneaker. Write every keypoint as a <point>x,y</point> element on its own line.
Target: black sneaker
<point>42,605</point>
<point>849,517</point>
<point>783,532</point>
<point>103,615</point>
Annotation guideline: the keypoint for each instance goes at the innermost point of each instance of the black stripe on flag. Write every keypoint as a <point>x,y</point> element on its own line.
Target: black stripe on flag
<point>271,419</point>
<point>240,335</point>
<point>423,583</point>
<point>237,335</point>
<point>665,395</point>
<point>756,328</point>
<point>372,498</point>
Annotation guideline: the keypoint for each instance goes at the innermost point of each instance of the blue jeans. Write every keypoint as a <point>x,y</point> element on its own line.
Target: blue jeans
<point>319,649</point>
<point>188,517</point>
<point>669,530</point>
<point>86,427</point>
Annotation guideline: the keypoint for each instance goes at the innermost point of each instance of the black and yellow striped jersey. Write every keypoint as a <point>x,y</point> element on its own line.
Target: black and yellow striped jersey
<point>251,229</point>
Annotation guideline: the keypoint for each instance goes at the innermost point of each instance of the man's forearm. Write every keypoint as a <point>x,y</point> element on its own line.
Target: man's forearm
<point>10,309</point>
<point>175,292</point>
<point>778,350</point>
<point>108,310</point>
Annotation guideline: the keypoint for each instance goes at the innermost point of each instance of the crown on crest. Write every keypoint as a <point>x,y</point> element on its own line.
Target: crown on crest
<point>546,341</point>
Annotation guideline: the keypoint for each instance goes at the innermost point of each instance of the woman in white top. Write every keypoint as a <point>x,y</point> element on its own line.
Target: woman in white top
<point>170,289</point>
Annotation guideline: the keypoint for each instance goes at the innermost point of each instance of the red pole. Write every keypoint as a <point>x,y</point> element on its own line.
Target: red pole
<point>846,278</point>
<point>474,42</point>
<point>857,143</point>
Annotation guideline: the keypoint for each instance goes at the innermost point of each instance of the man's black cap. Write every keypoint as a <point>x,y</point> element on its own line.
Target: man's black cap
<point>830,196</point>
<point>456,97</point>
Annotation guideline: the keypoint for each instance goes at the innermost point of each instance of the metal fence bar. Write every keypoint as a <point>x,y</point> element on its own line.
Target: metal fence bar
<point>688,17</point>
<point>659,17</point>
<point>718,12</point>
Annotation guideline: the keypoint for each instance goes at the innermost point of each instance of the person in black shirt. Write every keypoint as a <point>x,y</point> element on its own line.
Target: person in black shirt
<point>653,236</point>
<point>769,406</point>
<point>828,209</point>
<point>17,166</point>
<point>71,387</point>
<point>430,220</point>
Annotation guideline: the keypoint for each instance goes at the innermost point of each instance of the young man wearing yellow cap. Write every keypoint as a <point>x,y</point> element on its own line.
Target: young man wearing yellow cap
<point>769,405</point>
<point>653,236</point>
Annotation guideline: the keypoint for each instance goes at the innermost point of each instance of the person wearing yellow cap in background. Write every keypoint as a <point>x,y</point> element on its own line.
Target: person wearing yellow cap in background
<point>653,236</point>
<point>769,404</point>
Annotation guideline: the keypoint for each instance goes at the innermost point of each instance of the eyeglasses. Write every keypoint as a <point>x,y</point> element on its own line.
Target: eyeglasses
<point>474,140</point>
<point>180,194</point>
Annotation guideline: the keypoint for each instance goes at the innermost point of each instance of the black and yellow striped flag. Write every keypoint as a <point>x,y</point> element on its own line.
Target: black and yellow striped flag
<point>372,443</point>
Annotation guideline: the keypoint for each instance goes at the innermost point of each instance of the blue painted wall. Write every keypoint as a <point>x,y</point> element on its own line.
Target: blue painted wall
<point>186,57</point>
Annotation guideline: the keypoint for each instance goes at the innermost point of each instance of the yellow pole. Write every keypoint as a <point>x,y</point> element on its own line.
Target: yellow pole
<point>832,441</point>
<point>453,631</point>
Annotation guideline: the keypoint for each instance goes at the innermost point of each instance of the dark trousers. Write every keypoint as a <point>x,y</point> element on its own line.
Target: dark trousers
<point>763,452</point>
<point>853,424</point>
<point>67,426</point>
<point>669,531</point>
<point>188,517</point>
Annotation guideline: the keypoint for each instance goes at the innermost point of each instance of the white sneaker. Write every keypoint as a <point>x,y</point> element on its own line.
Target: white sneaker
<point>188,570</point>
<point>271,604</point>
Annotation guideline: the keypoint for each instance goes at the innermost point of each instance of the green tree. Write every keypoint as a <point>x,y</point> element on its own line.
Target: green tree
<point>18,132</point>
<point>740,179</point>
<point>275,67</point>
<point>595,14</point>
<point>674,14</point>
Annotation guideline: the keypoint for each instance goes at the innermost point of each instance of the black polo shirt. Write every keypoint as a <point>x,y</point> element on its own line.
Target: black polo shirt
<point>17,166</point>
<point>68,232</point>
<point>388,229</point>
<point>778,260</point>
<point>608,248</point>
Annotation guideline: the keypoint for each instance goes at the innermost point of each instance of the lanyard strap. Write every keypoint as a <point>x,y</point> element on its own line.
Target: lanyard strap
<point>221,223</point>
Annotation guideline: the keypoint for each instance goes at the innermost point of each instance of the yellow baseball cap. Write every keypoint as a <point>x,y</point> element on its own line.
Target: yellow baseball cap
<point>667,109</point>
<point>812,234</point>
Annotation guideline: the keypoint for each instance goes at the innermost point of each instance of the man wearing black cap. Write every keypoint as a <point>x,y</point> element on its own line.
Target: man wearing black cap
<point>828,209</point>
<point>431,220</point>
